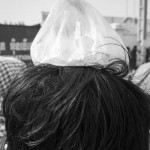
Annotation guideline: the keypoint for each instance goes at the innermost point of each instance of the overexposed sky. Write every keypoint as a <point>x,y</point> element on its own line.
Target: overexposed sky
<point>29,11</point>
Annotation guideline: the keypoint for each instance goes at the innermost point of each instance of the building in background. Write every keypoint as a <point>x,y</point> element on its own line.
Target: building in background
<point>128,30</point>
<point>15,40</point>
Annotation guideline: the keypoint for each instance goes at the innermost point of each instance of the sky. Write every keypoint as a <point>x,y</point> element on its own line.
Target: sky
<point>29,11</point>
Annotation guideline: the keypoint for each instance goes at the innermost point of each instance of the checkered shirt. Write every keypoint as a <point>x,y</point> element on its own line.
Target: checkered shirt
<point>8,70</point>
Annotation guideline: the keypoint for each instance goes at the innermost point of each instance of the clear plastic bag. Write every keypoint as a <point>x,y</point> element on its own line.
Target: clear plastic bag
<point>75,33</point>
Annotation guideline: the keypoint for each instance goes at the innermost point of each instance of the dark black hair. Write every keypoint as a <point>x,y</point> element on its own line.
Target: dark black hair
<point>75,108</point>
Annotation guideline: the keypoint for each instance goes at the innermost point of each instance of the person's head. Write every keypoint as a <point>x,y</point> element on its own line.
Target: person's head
<point>75,108</point>
<point>128,48</point>
<point>135,47</point>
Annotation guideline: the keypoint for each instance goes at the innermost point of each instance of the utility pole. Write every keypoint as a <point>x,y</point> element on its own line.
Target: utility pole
<point>142,31</point>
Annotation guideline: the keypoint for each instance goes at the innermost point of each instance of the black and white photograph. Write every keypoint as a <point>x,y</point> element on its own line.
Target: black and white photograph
<point>74,75</point>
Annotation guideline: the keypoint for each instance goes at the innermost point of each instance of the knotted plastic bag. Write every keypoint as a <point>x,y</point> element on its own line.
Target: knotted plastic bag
<point>75,34</point>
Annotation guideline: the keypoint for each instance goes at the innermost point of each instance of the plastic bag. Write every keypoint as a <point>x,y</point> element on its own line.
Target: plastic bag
<point>75,33</point>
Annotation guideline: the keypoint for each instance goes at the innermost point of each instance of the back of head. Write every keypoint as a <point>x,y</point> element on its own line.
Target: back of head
<point>75,108</point>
